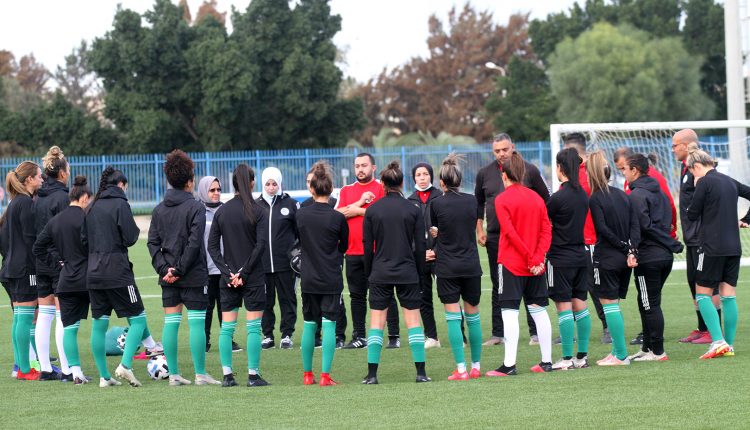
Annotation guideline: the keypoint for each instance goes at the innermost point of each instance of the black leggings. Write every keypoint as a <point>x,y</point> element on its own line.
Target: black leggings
<point>213,302</point>
<point>649,281</point>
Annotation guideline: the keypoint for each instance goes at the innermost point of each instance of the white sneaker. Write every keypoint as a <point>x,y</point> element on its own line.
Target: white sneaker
<point>494,340</point>
<point>581,363</point>
<point>286,343</point>
<point>638,356</point>
<point>127,374</point>
<point>431,343</point>
<point>652,357</point>
<point>563,364</point>
<point>111,382</point>
<point>158,349</point>
<point>177,380</point>
<point>534,340</point>
<point>206,380</point>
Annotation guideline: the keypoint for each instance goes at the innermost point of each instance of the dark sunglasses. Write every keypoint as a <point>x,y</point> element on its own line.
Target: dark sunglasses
<point>214,190</point>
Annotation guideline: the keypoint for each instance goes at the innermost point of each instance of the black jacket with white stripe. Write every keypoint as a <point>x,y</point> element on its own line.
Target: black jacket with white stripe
<point>281,230</point>
<point>59,247</point>
<point>654,214</point>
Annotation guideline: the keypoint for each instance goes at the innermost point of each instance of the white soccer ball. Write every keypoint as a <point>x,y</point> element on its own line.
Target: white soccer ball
<point>157,367</point>
<point>121,340</point>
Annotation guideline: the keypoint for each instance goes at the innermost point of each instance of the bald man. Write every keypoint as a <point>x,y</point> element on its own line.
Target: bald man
<point>680,142</point>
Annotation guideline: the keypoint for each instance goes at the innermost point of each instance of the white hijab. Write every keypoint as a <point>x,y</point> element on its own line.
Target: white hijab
<point>271,173</point>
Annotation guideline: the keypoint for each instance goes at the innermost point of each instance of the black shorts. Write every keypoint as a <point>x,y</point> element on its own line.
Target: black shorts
<point>6,285</point>
<point>46,285</point>
<point>381,296</point>
<point>23,289</point>
<point>611,284</point>
<point>450,290</point>
<point>317,306</point>
<point>567,283</point>
<point>73,307</point>
<point>512,288</point>
<point>232,298</point>
<point>125,301</point>
<point>194,298</point>
<point>712,271</point>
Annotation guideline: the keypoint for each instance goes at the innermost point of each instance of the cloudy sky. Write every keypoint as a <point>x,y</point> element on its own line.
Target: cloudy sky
<point>375,33</point>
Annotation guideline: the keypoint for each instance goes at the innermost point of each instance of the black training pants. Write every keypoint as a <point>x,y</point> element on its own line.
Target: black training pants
<point>213,302</point>
<point>281,283</point>
<point>649,281</point>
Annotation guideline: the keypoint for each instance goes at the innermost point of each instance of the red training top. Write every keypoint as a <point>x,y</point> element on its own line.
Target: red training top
<point>423,195</point>
<point>589,232</point>
<point>350,194</point>
<point>665,189</point>
<point>525,229</point>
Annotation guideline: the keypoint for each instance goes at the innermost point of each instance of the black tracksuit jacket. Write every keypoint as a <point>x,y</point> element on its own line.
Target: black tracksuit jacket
<point>52,198</point>
<point>323,238</point>
<point>281,230</point>
<point>244,242</point>
<point>456,255</point>
<point>617,230</point>
<point>567,209</point>
<point>715,205</point>
<point>108,233</point>
<point>175,239</point>
<point>20,235</point>
<point>425,207</point>
<point>654,214</point>
<point>489,184</point>
<point>59,247</point>
<point>395,229</point>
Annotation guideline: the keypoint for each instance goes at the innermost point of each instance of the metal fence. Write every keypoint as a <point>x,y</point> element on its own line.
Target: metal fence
<point>147,184</point>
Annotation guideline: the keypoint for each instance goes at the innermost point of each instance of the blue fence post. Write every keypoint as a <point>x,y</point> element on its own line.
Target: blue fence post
<point>208,163</point>
<point>307,160</point>
<point>403,157</point>
<point>450,148</point>
<point>104,162</point>
<point>157,182</point>
<point>539,149</point>
<point>257,168</point>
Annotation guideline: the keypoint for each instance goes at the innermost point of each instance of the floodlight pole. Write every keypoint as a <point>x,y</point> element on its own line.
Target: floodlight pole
<point>735,89</point>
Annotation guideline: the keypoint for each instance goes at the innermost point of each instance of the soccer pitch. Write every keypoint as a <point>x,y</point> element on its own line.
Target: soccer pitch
<point>684,392</point>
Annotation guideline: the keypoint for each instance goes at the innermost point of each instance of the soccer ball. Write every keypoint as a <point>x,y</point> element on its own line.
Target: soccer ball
<point>157,367</point>
<point>121,340</point>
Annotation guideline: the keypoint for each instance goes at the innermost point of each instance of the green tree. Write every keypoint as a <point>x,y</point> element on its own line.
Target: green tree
<point>619,74</point>
<point>522,104</point>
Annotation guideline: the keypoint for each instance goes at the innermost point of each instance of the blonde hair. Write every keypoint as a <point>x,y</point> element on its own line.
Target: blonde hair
<point>15,180</point>
<point>699,156</point>
<point>450,172</point>
<point>598,172</point>
<point>54,162</point>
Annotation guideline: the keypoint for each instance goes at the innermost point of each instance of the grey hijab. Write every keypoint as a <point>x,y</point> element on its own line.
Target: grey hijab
<point>203,186</point>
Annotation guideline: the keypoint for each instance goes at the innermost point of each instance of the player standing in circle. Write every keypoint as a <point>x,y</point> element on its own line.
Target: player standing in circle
<point>690,232</point>
<point>614,257</point>
<point>525,236</point>
<point>715,205</point>
<point>175,242</point>
<point>459,274</point>
<point>19,267</point>
<point>655,249</point>
<point>396,263</point>
<point>280,279</point>
<point>52,198</point>
<point>567,260</point>
<point>324,237</point>
<point>109,230</point>
<point>354,199</point>
<point>59,246</point>
<point>241,224</point>
<point>423,197</point>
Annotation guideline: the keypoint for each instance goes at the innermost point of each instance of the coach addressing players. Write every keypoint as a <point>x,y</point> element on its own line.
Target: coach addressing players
<point>489,184</point>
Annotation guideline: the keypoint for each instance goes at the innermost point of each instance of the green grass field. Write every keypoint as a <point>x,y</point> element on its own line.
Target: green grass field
<point>682,393</point>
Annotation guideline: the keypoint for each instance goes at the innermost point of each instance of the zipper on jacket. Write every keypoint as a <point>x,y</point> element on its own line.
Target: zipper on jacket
<point>270,231</point>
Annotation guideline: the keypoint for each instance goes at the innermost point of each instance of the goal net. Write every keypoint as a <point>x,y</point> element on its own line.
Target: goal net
<point>726,141</point>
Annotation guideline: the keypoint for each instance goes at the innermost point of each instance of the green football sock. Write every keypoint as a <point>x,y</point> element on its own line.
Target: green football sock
<point>616,325</point>
<point>308,345</point>
<point>169,340</point>
<point>374,345</point>
<point>253,345</point>
<point>475,336</point>
<point>729,303</point>
<point>70,344</point>
<point>225,344</point>
<point>710,316</point>
<point>23,336</point>
<point>329,344</point>
<point>567,332</point>
<point>416,343</point>
<point>98,349</point>
<point>454,336</point>
<point>197,324</point>
<point>146,334</point>
<point>133,340</point>
<point>583,329</point>
<point>13,335</point>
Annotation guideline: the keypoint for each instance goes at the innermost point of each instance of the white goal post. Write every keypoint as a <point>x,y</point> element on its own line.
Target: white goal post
<point>719,138</point>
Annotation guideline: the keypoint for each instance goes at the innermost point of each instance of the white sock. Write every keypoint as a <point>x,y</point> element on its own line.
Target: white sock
<point>543,331</point>
<point>512,332</point>
<point>226,370</point>
<point>60,348</point>
<point>252,372</point>
<point>149,342</point>
<point>461,367</point>
<point>32,353</point>
<point>43,329</point>
<point>475,365</point>
<point>77,372</point>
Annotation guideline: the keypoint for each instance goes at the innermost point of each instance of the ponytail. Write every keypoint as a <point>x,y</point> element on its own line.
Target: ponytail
<point>450,172</point>
<point>697,155</point>
<point>110,176</point>
<point>15,180</point>
<point>242,177</point>
<point>639,162</point>
<point>322,179</point>
<point>80,188</point>
<point>392,177</point>
<point>569,162</point>
<point>54,162</point>
<point>515,168</point>
<point>598,171</point>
